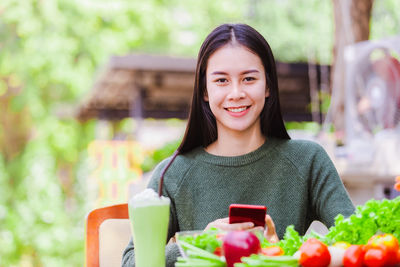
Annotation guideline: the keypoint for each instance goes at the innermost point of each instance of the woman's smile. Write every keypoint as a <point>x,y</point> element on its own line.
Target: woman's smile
<point>238,111</point>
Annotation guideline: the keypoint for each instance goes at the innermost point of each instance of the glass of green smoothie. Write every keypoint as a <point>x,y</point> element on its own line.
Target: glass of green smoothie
<point>149,216</point>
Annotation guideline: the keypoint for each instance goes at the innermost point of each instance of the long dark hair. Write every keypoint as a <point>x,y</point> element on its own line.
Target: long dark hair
<point>201,129</point>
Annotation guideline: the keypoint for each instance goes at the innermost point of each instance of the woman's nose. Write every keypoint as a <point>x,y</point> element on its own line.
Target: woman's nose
<point>236,92</point>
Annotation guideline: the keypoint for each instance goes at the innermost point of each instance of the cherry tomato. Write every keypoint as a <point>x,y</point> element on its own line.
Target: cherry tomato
<point>354,256</point>
<point>272,251</point>
<point>375,257</point>
<point>314,253</point>
<point>218,251</point>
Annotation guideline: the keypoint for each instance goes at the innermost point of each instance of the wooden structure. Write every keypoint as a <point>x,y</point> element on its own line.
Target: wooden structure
<point>146,86</point>
<point>352,25</point>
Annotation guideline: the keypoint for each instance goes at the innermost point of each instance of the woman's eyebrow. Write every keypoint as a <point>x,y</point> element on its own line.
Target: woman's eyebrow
<point>219,73</point>
<point>244,72</point>
<point>249,71</point>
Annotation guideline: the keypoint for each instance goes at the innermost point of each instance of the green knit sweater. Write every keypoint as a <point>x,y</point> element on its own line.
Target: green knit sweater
<point>295,179</point>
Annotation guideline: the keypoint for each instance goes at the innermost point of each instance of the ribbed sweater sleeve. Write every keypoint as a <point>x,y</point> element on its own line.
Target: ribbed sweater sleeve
<point>326,191</point>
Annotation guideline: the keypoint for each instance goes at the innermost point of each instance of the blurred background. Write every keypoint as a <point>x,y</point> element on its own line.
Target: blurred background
<point>94,93</point>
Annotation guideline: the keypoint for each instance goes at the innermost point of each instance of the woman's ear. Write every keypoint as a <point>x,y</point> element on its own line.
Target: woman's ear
<point>205,97</point>
<point>266,92</point>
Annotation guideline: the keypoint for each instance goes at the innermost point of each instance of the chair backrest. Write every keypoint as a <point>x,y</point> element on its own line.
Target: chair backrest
<point>107,234</point>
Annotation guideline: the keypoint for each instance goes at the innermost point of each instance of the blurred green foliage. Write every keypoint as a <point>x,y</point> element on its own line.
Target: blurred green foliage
<point>308,126</point>
<point>49,55</point>
<point>159,154</point>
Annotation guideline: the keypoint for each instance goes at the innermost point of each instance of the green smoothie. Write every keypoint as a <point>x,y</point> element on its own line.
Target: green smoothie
<point>149,222</point>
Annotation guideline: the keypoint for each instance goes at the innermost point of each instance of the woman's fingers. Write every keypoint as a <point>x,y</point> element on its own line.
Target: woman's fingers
<point>270,233</point>
<point>217,223</point>
<point>259,228</point>
<point>240,226</point>
<point>224,225</point>
<point>270,224</point>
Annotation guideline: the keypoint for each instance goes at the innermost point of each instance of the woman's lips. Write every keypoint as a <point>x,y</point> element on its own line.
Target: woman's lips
<point>238,111</point>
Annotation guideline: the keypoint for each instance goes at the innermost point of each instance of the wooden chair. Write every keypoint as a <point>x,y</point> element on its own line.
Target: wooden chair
<point>107,234</point>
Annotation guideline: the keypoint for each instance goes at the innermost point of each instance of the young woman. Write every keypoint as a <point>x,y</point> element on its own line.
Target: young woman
<point>236,149</point>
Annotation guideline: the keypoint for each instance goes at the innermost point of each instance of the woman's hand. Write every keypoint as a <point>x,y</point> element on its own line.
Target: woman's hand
<point>223,224</point>
<point>270,232</point>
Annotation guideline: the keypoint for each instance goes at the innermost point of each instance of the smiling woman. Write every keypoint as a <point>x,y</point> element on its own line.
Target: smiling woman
<point>236,150</point>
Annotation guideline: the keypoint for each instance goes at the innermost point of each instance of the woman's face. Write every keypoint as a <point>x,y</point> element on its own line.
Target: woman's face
<point>236,89</point>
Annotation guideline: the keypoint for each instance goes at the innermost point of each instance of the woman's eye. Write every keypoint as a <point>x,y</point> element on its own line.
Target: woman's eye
<point>221,80</point>
<point>249,79</point>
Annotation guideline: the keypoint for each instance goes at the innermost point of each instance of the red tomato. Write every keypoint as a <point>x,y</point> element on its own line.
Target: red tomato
<point>398,256</point>
<point>387,242</point>
<point>354,256</point>
<point>218,251</point>
<point>272,251</point>
<point>314,253</point>
<point>375,257</point>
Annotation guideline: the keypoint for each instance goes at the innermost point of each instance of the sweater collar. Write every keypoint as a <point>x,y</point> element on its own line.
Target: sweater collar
<point>245,159</point>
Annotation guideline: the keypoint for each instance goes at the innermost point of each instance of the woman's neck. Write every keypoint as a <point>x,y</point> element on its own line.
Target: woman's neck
<point>236,144</point>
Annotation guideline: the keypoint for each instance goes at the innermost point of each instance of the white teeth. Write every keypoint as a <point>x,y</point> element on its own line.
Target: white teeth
<point>237,109</point>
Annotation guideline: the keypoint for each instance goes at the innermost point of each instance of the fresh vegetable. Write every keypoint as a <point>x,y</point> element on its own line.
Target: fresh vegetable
<point>314,253</point>
<point>272,251</point>
<point>375,257</point>
<point>373,217</point>
<point>238,244</point>
<point>198,257</point>
<point>398,256</point>
<point>218,251</point>
<point>354,256</point>
<point>368,220</point>
<point>337,254</point>
<point>387,242</point>
<point>290,243</point>
<point>193,262</point>
<point>258,260</point>
<point>208,240</point>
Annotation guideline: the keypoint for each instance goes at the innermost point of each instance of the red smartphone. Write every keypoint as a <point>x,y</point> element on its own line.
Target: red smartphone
<point>239,213</point>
